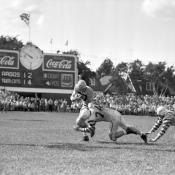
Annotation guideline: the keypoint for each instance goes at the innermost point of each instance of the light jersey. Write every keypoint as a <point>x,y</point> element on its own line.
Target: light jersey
<point>88,95</point>
<point>167,121</point>
<point>99,114</point>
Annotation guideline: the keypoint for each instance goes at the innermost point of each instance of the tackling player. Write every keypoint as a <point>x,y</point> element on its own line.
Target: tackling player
<point>165,117</point>
<point>85,93</point>
<point>115,119</point>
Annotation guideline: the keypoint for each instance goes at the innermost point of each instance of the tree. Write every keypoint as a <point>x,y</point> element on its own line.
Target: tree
<point>136,70</point>
<point>167,80</point>
<point>160,77</point>
<point>105,68</point>
<point>122,68</point>
<point>10,43</point>
<point>83,70</point>
<point>72,52</point>
<point>118,82</point>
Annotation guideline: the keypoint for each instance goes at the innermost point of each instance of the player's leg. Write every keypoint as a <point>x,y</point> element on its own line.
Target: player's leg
<point>128,128</point>
<point>83,116</point>
<point>113,134</point>
<point>92,127</point>
<point>132,130</point>
<point>81,121</point>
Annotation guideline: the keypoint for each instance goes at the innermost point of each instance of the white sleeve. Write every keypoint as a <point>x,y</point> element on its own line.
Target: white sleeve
<point>72,97</point>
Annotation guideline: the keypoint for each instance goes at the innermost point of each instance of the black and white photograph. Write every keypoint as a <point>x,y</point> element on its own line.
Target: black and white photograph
<point>87,87</point>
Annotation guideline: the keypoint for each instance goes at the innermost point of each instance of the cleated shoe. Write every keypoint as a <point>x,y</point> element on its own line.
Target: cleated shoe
<point>144,137</point>
<point>85,138</point>
<point>93,133</point>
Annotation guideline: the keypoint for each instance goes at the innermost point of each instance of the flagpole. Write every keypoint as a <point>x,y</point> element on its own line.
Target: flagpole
<point>67,44</point>
<point>51,47</point>
<point>29,25</point>
<point>51,44</point>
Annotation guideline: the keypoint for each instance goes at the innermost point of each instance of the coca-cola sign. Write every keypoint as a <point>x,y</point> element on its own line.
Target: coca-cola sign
<point>9,59</point>
<point>59,62</point>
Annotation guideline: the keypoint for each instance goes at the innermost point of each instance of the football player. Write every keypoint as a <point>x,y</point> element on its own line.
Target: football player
<point>166,118</point>
<point>86,94</point>
<point>115,119</point>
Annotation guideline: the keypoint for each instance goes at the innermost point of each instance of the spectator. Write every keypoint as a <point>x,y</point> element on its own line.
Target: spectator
<point>64,105</point>
<point>56,105</point>
<point>59,105</point>
<point>50,104</point>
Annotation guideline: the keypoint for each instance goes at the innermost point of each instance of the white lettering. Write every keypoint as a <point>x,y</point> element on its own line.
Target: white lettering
<point>7,61</point>
<point>6,80</point>
<point>15,81</point>
<point>64,64</point>
<point>53,76</point>
<point>10,74</point>
<point>54,83</point>
<point>11,81</point>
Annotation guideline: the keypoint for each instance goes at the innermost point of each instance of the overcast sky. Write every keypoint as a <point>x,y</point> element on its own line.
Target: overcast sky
<point>122,30</point>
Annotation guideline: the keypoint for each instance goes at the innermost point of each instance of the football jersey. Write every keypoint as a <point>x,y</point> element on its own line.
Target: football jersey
<point>99,113</point>
<point>170,116</point>
<point>88,95</point>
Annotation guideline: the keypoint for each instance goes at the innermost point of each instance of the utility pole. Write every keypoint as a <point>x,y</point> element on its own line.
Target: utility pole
<point>131,53</point>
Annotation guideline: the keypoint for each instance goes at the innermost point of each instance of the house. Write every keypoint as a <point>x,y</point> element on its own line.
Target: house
<point>103,85</point>
<point>172,91</point>
<point>99,85</point>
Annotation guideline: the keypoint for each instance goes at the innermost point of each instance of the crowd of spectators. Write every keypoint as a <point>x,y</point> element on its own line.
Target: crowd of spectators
<point>126,104</point>
<point>10,101</point>
<point>131,104</point>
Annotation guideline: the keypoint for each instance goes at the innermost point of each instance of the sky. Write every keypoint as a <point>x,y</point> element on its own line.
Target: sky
<point>120,30</point>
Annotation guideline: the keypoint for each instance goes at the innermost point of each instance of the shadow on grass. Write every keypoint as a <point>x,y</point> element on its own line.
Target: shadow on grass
<point>87,147</point>
<point>120,143</point>
<point>73,146</point>
<point>19,144</point>
<point>146,147</point>
<point>61,146</point>
<point>29,120</point>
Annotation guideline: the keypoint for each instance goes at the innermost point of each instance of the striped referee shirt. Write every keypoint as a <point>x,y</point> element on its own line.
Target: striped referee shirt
<point>167,121</point>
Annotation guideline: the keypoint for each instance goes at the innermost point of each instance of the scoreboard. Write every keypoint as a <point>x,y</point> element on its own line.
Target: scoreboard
<point>54,73</point>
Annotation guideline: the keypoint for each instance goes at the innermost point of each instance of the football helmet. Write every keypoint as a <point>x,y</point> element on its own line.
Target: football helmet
<point>161,110</point>
<point>80,85</point>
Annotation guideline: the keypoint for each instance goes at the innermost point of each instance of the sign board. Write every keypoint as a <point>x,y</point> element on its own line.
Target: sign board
<point>57,73</point>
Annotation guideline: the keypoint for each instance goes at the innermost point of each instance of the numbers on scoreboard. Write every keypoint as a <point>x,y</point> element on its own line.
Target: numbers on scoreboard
<point>27,74</point>
<point>27,78</point>
<point>27,82</point>
<point>48,83</point>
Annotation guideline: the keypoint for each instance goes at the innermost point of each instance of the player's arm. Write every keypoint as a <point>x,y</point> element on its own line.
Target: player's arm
<point>156,126</point>
<point>86,129</point>
<point>75,96</point>
<point>166,125</point>
<point>72,97</point>
<point>89,128</point>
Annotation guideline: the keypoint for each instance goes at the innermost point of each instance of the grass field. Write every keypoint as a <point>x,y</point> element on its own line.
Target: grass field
<point>45,144</point>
